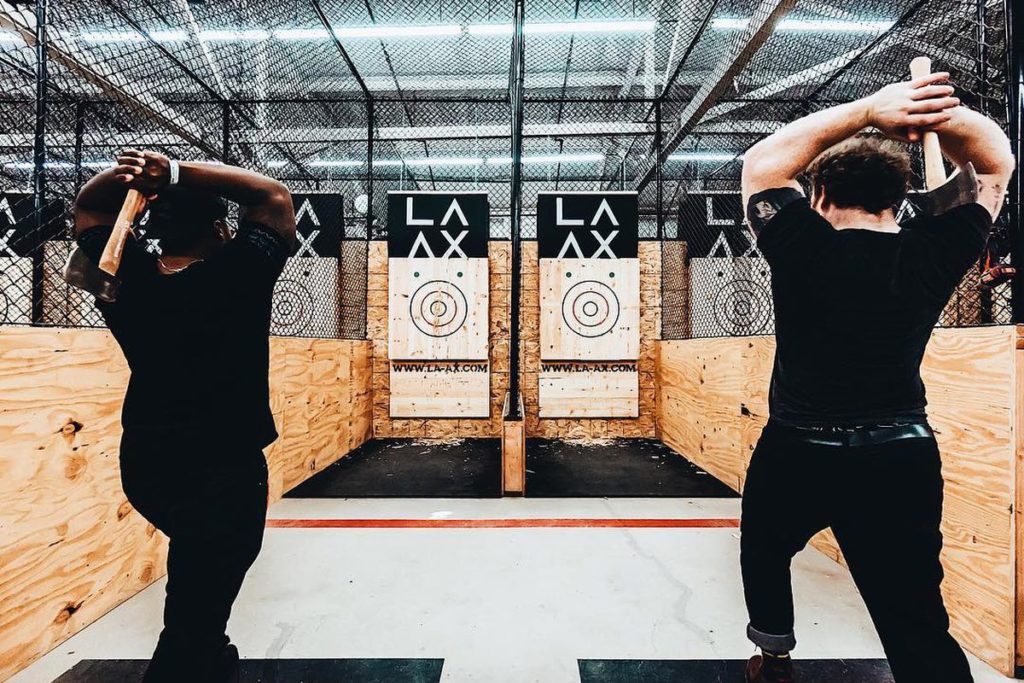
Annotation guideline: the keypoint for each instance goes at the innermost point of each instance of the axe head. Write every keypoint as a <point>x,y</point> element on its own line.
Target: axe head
<point>959,189</point>
<point>79,271</point>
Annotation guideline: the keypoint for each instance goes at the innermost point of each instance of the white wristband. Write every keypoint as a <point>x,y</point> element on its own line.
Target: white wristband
<point>175,172</point>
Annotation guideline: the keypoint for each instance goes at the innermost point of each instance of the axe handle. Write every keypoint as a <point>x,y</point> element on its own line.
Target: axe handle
<point>934,169</point>
<point>133,205</point>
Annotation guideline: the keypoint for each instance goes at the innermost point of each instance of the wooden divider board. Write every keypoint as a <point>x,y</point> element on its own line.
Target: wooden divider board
<point>71,546</point>
<point>713,403</point>
<point>589,282</point>
<point>438,304</point>
<point>594,390</point>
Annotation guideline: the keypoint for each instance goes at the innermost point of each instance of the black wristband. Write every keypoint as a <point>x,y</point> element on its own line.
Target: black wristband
<point>762,206</point>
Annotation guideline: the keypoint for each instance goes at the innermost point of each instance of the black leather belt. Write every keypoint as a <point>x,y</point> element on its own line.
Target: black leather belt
<point>858,436</point>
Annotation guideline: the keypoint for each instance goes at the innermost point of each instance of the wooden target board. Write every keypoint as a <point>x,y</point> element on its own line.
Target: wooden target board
<point>438,304</point>
<point>589,304</point>
<point>730,282</point>
<point>307,296</point>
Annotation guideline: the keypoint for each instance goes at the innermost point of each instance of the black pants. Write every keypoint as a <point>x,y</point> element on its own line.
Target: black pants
<point>210,498</point>
<point>884,504</point>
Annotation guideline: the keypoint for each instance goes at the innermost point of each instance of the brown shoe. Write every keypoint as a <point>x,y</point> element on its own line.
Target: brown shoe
<point>762,669</point>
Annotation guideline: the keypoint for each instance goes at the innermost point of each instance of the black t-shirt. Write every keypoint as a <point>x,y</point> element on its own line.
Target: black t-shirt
<point>854,310</point>
<point>197,342</point>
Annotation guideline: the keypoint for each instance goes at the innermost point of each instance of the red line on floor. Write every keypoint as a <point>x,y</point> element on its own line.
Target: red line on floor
<point>502,523</point>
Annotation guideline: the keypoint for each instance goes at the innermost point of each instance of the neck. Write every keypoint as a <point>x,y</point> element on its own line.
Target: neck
<point>859,219</point>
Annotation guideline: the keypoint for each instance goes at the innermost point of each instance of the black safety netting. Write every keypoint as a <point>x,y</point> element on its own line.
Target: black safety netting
<point>346,101</point>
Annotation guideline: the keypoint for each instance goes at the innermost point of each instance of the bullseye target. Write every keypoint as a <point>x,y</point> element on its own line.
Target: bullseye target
<point>730,296</point>
<point>590,308</point>
<point>306,298</point>
<point>438,308</point>
<point>743,305</point>
<point>291,304</point>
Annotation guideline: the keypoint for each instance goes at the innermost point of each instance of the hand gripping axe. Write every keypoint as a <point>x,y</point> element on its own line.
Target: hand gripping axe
<point>101,280</point>
<point>940,193</point>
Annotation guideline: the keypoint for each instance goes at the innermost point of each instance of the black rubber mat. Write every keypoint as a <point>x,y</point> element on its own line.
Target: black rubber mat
<point>727,671</point>
<point>277,671</point>
<point>411,468</point>
<point>611,468</point>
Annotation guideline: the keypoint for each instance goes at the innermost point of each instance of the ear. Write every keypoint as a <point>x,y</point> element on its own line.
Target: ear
<point>223,232</point>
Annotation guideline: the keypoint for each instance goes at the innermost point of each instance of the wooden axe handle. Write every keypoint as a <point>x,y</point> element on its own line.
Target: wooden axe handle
<point>133,205</point>
<point>934,170</point>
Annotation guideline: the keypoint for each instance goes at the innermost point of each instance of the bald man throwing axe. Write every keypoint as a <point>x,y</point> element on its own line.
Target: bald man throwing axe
<point>848,444</point>
<point>193,324</point>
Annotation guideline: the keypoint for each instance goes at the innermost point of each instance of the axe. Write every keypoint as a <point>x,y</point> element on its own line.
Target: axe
<point>940,193</point>
<point>101,281</point>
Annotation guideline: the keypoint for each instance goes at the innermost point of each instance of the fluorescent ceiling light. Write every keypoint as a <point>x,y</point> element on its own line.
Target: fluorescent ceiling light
<point>301,34</point>
<point>235,34</point>
<point>112,36</point>
<point>820,25</point>
<point>429,31</point>
<point>276,163</point>
<point>705,156</point>
<point>333,163</point>
<point>612,26</point>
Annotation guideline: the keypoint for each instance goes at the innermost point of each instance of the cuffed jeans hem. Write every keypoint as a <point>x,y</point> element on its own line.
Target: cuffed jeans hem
<point>771,643</point>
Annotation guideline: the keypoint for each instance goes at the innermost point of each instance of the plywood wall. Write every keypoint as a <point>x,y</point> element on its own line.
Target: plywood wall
<point>71,546</point>
<point>500,282</point>
<point>713,403</point>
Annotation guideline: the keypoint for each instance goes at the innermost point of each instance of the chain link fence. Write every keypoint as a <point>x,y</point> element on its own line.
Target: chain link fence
<point>345,101</point>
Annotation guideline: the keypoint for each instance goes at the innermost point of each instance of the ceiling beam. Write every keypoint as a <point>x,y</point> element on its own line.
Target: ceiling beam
<point>61,52</point>
<point>748,42</point>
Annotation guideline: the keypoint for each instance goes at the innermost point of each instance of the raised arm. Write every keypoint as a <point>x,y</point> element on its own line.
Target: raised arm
<point>972,137</point>
<point>899,110</point>
<point>262,199</point>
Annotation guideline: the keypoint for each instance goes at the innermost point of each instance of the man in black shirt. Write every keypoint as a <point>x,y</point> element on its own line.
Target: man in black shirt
<point>848,444</point>
<point>193,324</point>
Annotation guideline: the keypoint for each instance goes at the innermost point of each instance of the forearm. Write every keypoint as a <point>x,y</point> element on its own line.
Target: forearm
<point>973,137</point>
<point>262,199</point>
<point>244,187</point>
<point>104,193</point>
<point>780,158</point>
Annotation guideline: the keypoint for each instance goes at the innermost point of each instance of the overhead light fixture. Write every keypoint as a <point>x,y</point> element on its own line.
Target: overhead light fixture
<point>426,31</point>
<point>232,35</point>
<point>276,163</point>
<point>608,26</point>
<point>548,159</point>
<point>301,34</point>
<point>819,25</point>
<point>705,156</point>
<point>132,36</point>
<point>334,163</point>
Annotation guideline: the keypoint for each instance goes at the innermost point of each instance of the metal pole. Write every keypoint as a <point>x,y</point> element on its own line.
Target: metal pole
<point>657,176</point>
<point>80,106</point>
<point>1015,93</point>
<point>516,101</point>
<point>370,114</point>
<point>39,162</point>
<point>225,132</point>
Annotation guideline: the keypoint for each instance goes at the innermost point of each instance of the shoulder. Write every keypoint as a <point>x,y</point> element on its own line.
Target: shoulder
<point>970,221</point>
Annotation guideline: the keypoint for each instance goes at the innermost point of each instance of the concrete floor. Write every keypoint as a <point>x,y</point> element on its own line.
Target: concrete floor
<point>499,605</point>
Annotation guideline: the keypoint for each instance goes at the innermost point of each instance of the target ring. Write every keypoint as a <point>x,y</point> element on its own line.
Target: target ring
<point>438,308</point>
<point>742,307</point>
<point>590,308</point>
<point>292,302</point>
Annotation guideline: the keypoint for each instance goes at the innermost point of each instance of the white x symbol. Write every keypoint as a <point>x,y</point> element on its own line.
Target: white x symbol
<point>454,243</point>
<point>605,244</point>
<point>5,247</point>
<point>306,243</point>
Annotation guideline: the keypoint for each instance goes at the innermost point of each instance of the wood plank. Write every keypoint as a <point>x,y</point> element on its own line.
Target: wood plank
<point>71,545</point>
<point>713,404</point>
